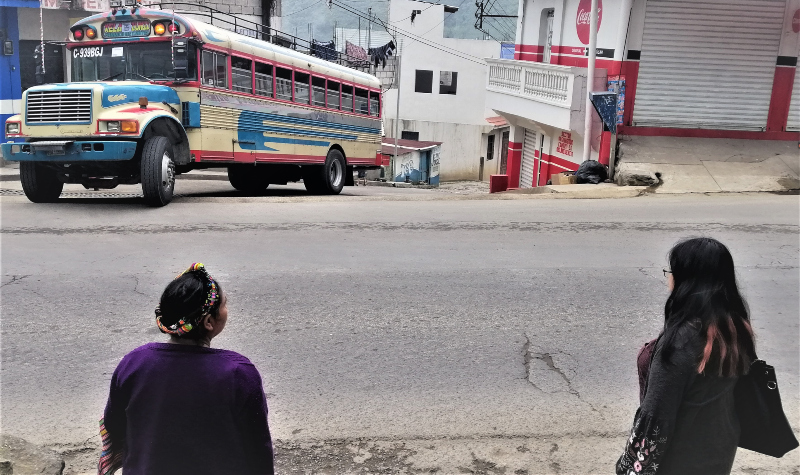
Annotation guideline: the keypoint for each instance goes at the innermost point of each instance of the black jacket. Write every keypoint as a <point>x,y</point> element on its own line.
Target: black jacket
<point>687,421</point>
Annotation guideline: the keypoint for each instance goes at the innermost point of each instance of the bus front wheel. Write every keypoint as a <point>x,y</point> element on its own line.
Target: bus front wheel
<point>329,178</point>
<point>158,171</point>
<point>40,184</point>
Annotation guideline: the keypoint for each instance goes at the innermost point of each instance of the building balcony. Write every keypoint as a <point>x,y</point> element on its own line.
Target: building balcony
<point>547,94</point>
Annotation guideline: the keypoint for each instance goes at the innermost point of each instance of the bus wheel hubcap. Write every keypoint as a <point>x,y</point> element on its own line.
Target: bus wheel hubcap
<point>167,172</point>
<point>336,173</point>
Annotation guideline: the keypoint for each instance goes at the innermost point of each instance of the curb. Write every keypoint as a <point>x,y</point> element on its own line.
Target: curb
<point>20,457</point>
<point>400,184</point>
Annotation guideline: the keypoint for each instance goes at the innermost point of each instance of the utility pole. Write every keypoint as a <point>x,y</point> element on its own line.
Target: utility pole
<point>397,109</point>
<point>369,29</point>
<point>587,128</point>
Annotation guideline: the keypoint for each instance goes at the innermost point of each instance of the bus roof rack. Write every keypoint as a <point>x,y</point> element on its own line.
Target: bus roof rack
<point>259,31</point>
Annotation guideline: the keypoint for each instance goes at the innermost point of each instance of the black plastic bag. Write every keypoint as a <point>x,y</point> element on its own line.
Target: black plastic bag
<point>591,171</point>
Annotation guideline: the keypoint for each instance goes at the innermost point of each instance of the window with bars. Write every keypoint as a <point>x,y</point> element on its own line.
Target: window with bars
<point>283,83</point>
<point>318,91</point>
<point>334,95</point>
<point>301,87</point>
<point>241,75</point>
<point>263,75</point>
<point>347,98</point>
<point>374,103</point>
<point>362,101</point>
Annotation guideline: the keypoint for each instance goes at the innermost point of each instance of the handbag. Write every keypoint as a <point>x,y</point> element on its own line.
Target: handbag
<point>764,427</point>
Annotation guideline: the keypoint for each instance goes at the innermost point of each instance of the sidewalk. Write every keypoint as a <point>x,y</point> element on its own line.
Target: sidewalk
<point>694,165</point>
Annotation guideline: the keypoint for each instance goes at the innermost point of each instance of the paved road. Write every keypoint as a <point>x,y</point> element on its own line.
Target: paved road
<point>463,336</point>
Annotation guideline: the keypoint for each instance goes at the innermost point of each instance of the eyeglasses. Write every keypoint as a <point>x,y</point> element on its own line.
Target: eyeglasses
<point>666,271</point>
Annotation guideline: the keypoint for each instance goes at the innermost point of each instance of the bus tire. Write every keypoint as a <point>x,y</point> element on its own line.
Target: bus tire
<point>158,171</point>
<point>40,184</point>
<point>329,178</point>
<point>248,178</point>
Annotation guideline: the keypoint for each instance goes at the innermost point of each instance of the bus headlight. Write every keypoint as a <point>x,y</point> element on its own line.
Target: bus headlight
<point>120,126</point>
<point>12,128</point>
<point>159,29</point>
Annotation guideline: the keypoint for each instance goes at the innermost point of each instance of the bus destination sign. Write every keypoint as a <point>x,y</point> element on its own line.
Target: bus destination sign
<point>126,29</point>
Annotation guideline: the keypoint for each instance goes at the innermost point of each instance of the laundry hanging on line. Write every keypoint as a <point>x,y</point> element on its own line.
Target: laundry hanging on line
<point>355,52</point>
<point>326,51</point>
<point>381,53</point>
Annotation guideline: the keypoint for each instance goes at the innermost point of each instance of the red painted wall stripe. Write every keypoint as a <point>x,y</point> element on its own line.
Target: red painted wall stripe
<point>513,163</point>
<point>630,69</point>
<point>709,133</point>
<point>782,86</point>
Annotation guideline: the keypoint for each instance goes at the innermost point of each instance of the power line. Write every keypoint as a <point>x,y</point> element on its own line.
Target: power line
<point>303,9</point>
<point>424,41</point>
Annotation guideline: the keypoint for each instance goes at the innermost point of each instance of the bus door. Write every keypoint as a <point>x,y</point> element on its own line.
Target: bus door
<point>219,137</point>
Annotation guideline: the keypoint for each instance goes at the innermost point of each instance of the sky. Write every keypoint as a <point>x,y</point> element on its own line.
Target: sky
<point>299,14</point>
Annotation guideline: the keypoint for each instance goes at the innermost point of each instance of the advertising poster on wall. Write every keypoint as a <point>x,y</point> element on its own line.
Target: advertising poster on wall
<point>617,84</point>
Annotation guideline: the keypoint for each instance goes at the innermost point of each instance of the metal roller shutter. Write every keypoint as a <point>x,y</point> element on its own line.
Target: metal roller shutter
<point>794,107</point>
<point>708,64</point>
<point>528,159</point>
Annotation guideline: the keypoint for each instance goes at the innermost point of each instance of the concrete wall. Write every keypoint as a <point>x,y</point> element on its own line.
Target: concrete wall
<point>461,145</point>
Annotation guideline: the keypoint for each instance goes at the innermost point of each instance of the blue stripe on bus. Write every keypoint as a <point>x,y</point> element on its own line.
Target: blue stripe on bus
<point>264,116</point>
<point>296,141</point>
<point>251,122</point>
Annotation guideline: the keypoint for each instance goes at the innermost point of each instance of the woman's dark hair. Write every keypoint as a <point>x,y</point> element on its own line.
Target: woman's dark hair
<point>705,290</point>
<point>183,299</point>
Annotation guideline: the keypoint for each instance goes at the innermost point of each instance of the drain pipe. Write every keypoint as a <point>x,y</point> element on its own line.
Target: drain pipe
<point>587,128</point>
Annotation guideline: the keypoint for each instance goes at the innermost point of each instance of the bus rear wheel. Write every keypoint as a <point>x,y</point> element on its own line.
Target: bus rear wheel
<point>248,178</point>
<point>158,171</point>
<point>40,183</point>
<point>329,178</point>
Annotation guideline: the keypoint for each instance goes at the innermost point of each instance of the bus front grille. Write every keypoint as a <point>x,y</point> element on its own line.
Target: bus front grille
<point>66,105</point>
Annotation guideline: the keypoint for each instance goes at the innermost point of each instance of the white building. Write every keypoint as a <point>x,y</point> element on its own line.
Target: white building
<point>443,87</point>
<point>706,68</point>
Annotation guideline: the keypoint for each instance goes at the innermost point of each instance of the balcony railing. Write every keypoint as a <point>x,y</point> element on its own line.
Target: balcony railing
<point>547,83</point>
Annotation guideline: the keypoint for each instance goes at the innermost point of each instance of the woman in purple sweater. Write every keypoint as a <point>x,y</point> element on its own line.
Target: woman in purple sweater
<point>183,407</point>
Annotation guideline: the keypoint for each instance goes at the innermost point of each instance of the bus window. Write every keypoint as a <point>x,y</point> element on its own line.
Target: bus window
<point>374,103</point>
<point>318,91</point>
<point>208,68</point>
<point>222,70</point>
<point>283,83</point>
<point>264,79</point>
<point>301,87</point>
<point>333,95</point>
<point>362,101</point>
<point>215,69</point>
<point>241,75</point>
<point>347,98</point>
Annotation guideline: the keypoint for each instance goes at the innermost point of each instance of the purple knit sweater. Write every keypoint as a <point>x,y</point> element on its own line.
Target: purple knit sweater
<point>179,409</point>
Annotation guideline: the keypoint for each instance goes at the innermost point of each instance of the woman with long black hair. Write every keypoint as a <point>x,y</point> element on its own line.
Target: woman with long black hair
<point>687,421</point>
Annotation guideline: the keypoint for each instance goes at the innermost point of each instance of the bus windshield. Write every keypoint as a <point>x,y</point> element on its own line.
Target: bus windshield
<point>141,61</point>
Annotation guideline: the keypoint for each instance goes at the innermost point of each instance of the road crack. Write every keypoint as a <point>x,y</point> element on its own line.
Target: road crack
<point>136,287</point>
<point>547,358</point>
<point>14,279</point>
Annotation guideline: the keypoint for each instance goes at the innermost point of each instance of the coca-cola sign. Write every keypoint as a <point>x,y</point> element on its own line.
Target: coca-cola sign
<point>583,20</point>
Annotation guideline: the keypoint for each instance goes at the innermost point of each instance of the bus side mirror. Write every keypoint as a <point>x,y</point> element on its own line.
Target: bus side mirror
<point>181,61</point>
<point>181,68</point>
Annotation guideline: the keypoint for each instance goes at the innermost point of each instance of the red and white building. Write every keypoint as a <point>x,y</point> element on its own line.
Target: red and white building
<point>699,68</point>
